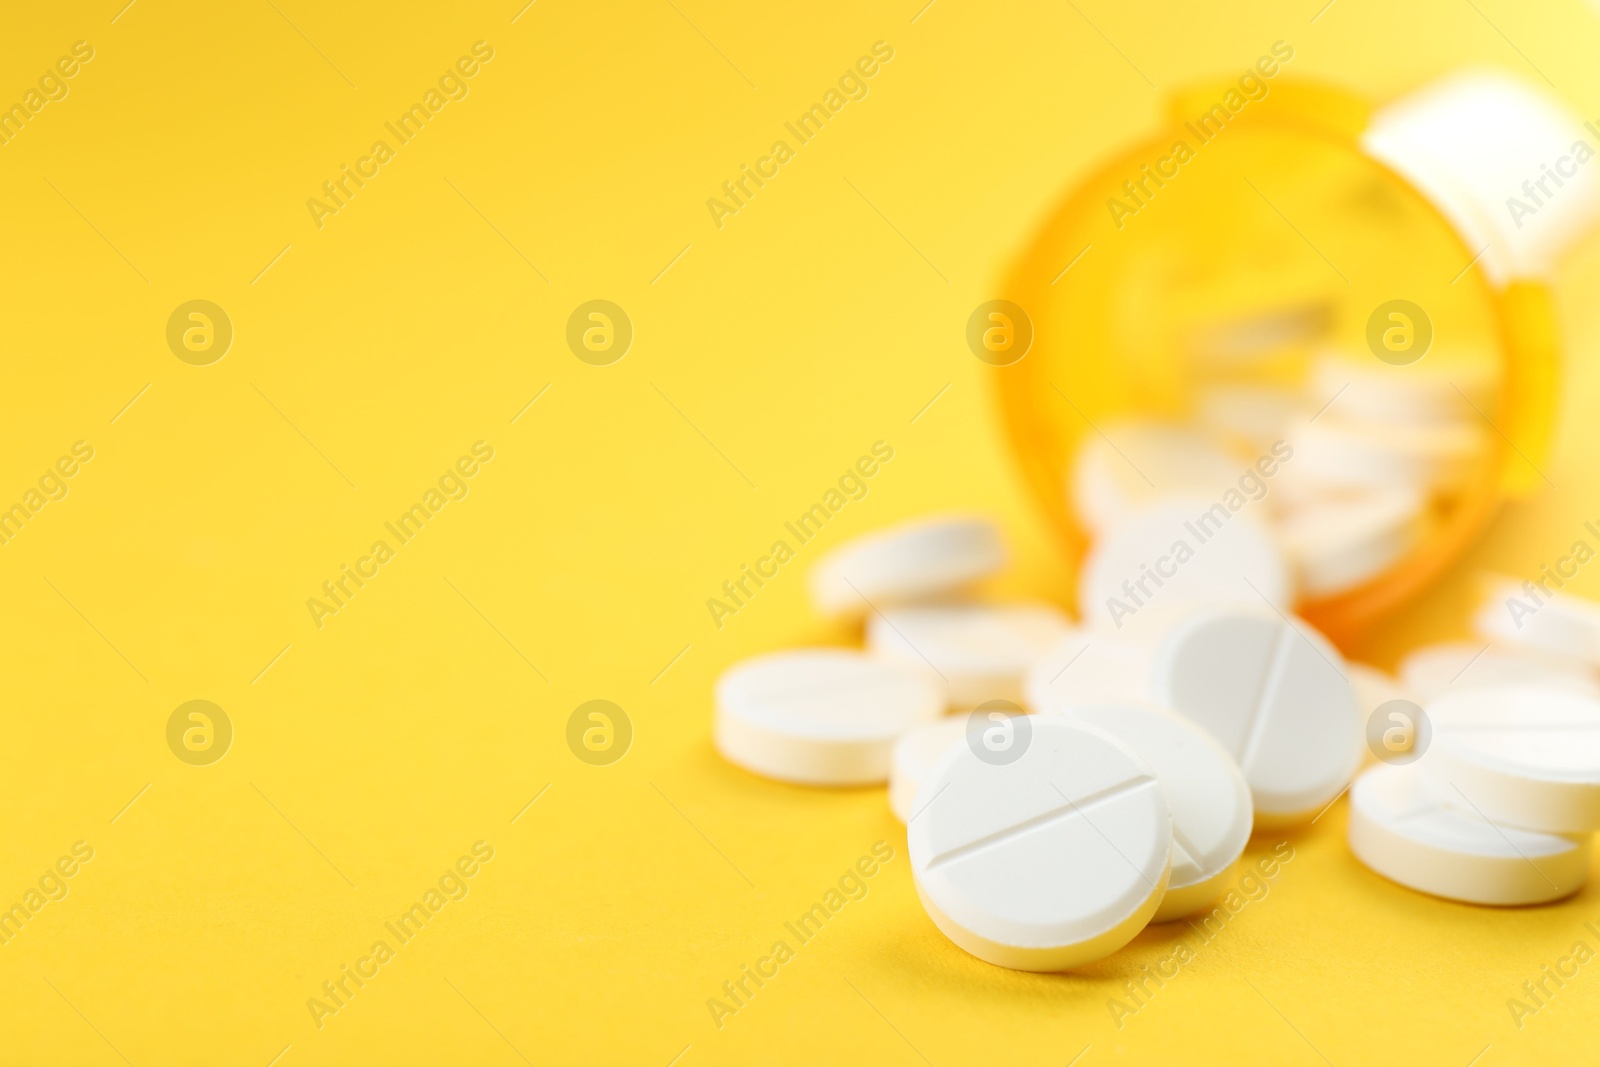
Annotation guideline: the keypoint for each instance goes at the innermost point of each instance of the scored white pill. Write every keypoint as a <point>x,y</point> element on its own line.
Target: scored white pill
<point>819,716</point>
<point>925,559</point>
<point>1521,755</point>
<point>1048,862</point>
<point>1273,694</point>
<point>1434,670</point>
<point>915,754</point>
<point>1088,667</point>
<point>1401,830</point>
<point>1205,790</point>
<point>976,652</point>
<point>1182,549</point>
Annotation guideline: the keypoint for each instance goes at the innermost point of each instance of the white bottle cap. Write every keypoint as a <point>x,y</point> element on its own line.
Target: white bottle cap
<point>1470,141</point>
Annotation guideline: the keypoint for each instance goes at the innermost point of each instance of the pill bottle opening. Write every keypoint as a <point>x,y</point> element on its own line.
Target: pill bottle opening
<point>1249,308</point>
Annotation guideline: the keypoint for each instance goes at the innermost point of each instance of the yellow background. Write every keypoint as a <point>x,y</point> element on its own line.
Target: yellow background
<point>377,749</point>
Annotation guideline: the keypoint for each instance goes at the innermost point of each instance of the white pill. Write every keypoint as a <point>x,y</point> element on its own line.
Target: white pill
<point>1088,666</point>
<point>1544,623</point>
<point>1205,790</point>
<point>915,755</point>
<point>819,716</point>
<point>1400,829</point>
<point>1431,671</point>
<point>1273,693</point>
<point>1182,550</point>
<point>1129,465</point>
<point>1253,415</point>
<point>1371,391</point>
<point>1051,861</point>
<point>925,559</point>
<point>1335,543</point>
<point>1519,755</point>
<point>976,652</point>
<point>1331,455</point>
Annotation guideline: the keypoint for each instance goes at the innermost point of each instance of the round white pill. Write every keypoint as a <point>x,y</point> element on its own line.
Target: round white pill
<point>1338,542</point>
<point>1088,667</point>
<point>1434,670</point>
<point>914,756</point>
<point>1205,790</point>
<point>1053,860</point>
<point>1394,454</point>
<point>925,559</point>
<point>819,716</point>
<point>976,652</point>
<point>1520,755</point>
<point>1365,390</point>
<point>1253,415</point>
<point>1401,830</point>
<point>1544,623</point>
<point>1273,693</point>
<point>1186,549</point>
<point>1129,465</point>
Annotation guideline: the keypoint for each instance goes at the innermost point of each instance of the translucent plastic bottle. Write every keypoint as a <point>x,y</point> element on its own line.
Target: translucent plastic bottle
<point>1295,241</point>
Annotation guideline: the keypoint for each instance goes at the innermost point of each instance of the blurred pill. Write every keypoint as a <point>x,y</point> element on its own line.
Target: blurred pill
<point>974,652</point>
<point>1129,465</point>
<point>1339,542</point>
<point>1431,671</point>
<point>921,560</point>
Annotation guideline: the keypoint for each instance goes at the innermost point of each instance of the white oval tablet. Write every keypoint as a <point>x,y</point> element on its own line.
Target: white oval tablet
<point>1556,625</point>
<point>1434,670</point>
<point>1088,667</point>
<point>1205,790</point>
<point>977,652</point>
<point>1183,549</point>
<point>819,716</point>
<point>1521,755</point>
<point>1051,861</point>
<point>1404,832</point>
<point>1131,464</point>
<point>1273,694</point>
<point>914,756</point>
<point>920,560</point>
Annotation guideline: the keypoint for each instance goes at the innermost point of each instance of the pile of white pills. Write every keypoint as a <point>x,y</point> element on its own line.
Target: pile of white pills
<point>1065,784</point>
